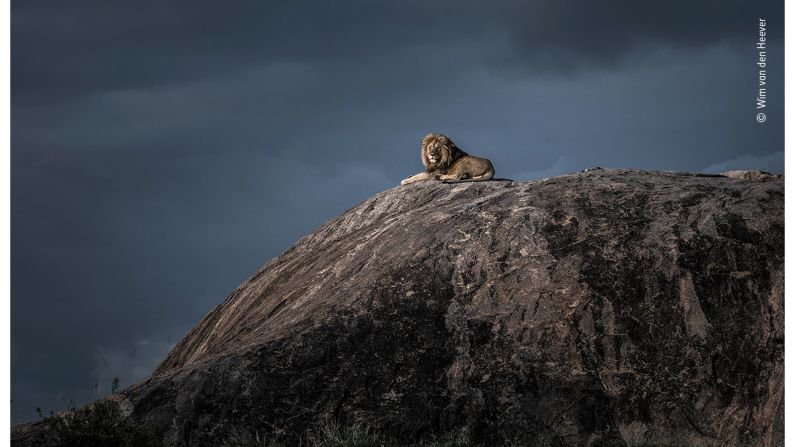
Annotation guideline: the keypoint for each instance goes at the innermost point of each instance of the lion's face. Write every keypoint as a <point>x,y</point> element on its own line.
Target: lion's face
<point>437,151</point>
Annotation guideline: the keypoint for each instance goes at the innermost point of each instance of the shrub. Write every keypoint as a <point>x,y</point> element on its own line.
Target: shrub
<point>331,434</point>
<point>247,440</point>
<point>101,424</point>
<point>448,440</point>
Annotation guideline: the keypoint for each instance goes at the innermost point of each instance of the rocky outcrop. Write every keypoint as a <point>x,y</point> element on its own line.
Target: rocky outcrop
<point>610,307</point>
<point>756,175</point>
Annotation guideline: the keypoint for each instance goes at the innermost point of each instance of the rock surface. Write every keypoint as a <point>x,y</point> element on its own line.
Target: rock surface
<point>756,175</point>
<point>609,307</point>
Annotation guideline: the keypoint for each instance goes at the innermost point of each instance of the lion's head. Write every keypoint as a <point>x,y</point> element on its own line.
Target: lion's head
<point>438,152</point>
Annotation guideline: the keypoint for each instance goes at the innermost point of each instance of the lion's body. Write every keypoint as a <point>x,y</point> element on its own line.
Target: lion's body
<point>443,160</point>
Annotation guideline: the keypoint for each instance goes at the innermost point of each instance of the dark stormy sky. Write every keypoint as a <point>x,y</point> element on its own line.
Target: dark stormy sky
<point>162,150</point>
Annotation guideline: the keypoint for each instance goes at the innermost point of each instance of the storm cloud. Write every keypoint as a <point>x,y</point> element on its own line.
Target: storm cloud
<point>162,151</point>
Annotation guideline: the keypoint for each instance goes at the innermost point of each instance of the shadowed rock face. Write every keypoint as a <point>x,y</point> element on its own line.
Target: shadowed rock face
<point>610,307</point>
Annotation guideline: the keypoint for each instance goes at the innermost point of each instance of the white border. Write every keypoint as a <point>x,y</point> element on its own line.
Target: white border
<point>789,42</point>
<point>5,205</point>
<point>5,202</point>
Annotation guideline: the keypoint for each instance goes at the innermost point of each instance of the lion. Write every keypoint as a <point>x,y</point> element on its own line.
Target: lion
<point>443,160</point>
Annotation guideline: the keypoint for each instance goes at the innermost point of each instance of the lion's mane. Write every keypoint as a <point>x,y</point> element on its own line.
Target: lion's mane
<point>449,152</point>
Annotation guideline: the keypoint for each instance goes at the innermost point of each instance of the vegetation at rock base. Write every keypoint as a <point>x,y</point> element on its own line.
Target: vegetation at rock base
<point>100,425</point>
<point>249,440</point>
<point>332,434</point>
<point>104,425</point>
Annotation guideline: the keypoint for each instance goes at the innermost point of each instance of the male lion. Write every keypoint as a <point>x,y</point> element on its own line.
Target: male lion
<point>443,160</point>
